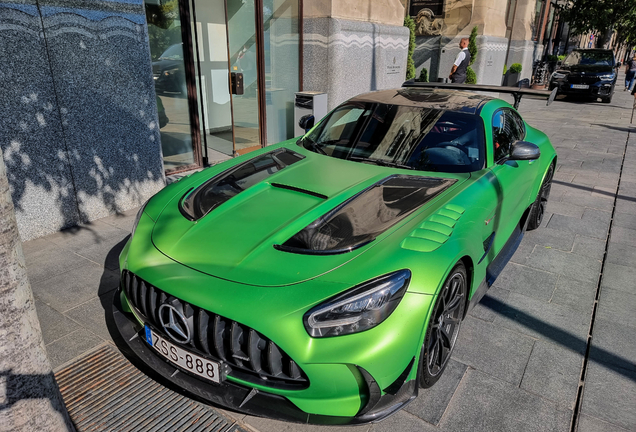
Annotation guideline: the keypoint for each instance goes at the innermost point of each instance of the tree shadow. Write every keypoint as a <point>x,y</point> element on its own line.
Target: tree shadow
<point>616,128</point>
<point>19,387</point>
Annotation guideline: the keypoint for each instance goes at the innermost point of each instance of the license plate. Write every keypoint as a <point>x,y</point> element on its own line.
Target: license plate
<point>204,368</point>
<point>579,86</point>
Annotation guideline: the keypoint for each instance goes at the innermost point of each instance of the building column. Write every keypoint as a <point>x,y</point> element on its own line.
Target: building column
<point>353,47</point>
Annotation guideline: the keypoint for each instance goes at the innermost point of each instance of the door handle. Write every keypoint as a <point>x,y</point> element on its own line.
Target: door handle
<point>236,83</point>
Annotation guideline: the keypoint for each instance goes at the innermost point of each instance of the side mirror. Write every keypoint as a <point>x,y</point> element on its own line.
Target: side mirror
<point>523,150</point>
<point>306,122</point>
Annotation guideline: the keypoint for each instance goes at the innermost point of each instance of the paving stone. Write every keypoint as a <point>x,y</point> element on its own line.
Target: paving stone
<point>574,294</point>
<point>37,248</point>
<point>92,315</point>
<point>524,250</point>
<point>586,199</point>
<point>565,209</point>
<point>105,253</point>
<point>262,424</point>
<point>76,286</point>
<point>589,247</point>
<point>619,277</point>
<point>402,421</point>
<point>432,402</point>
<point>626,220</point>
<point>610,395</point>
<point>623,254</point>
<point>562,240</point>
<point>71,346</point>
<point>123,221</point>
<point>623,235</point>
<point>497,351</point>
<point>553,372</point>
<point>625,206</point>
<point>484,403</point>
<point>591,424</point>
<point>613,344</point>
<point>54,325</point>
<point>581,226</point>
<point>46,264</point>
<point>545,321</point>
<point>527,280</point>
<point>80,237</point>
<point>568,264</point>
<point>494,295</point>
<point>618,306</point>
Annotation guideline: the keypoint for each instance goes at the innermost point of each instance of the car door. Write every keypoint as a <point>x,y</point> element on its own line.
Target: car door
<point>513,178</point>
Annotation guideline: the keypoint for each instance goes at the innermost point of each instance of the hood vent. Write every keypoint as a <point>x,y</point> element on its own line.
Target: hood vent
<point>200,201</point>
<point>359,220</point>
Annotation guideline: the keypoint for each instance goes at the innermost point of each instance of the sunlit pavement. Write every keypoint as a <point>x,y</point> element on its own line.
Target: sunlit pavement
<point>524,360</point>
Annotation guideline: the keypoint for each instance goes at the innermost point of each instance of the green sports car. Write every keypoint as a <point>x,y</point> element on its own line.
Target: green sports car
<point>324,279</point>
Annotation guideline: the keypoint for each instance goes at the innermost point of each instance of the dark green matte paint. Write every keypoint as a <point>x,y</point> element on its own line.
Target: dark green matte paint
<point>226,261</point>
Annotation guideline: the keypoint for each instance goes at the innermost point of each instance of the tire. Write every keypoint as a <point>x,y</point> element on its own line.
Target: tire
<point>538,207</point>
<point>607,99</point>
<point>449,311</point>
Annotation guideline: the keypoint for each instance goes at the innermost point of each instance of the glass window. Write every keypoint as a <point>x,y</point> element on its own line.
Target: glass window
<point>281,47</point>
<point>168,70</point>
<point>592,57</point>
<point>401,136</point>
<point>505,131</point>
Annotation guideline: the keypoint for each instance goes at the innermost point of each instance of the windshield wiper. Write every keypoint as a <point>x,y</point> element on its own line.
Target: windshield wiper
<point>313,146</point>
<point>381,162</point>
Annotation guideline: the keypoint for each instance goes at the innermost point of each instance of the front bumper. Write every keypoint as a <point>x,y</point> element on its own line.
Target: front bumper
<point>597,89</point>
<point>251,401</point>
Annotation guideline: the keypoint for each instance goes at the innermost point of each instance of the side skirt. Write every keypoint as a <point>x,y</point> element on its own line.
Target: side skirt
<point>497,265</point>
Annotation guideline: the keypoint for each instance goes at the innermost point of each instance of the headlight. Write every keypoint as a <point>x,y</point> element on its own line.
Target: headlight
<point>607,77</point>
<point>139,213</point>
<point>558,75</point>
<point>360,308</point>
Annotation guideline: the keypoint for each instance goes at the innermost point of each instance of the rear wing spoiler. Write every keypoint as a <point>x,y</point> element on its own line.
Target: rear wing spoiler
<point>516,92</point>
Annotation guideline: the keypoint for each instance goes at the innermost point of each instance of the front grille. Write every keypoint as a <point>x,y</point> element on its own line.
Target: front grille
<point>582,79</point>
<point>251,356</point>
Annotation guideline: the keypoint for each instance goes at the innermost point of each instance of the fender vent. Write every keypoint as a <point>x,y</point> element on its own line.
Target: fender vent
<point>435,231</point>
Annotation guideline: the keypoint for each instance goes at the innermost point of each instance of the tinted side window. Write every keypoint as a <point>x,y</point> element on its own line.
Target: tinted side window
<point>521,127</point>
<point>504,132</point>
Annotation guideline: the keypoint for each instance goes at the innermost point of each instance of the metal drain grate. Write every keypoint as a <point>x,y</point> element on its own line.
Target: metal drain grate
<point>104,392</point>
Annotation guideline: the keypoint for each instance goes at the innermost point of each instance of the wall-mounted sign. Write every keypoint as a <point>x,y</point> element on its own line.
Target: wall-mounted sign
<point>436,6</point>
<point>393,67</point>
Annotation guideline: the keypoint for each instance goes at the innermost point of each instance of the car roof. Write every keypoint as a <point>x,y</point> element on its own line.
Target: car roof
<point>449,100</point>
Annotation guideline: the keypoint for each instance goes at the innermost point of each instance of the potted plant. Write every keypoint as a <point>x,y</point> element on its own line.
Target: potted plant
<point>514,74</point>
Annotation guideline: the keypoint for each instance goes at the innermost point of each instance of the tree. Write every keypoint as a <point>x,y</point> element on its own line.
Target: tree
<point>471,76</point>
<point>410,65</point>
<point>599,16</point>
<point>30,398</point>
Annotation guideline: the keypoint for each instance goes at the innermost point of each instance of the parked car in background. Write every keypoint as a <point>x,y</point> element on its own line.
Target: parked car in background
<point>588,72</point>
<point>169,71</point>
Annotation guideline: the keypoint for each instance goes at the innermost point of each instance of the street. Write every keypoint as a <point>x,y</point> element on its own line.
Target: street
<point>554,339</point>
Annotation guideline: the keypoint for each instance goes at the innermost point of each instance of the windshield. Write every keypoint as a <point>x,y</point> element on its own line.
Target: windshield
<point>595,58</point>
<point>407,137</point>
<point>175,52</point>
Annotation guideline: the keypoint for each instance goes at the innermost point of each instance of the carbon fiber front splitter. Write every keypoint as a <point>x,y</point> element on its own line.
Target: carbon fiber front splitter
<point>246,400</point>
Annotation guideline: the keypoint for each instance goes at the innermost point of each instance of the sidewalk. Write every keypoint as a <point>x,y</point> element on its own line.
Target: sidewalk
<point>519,359</point>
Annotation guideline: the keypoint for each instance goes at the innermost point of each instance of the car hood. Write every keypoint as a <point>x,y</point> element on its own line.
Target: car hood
<point>588,69</point>
<point>236,240</point>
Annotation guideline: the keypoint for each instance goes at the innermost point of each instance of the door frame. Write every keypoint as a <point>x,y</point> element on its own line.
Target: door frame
<point>187,11</point>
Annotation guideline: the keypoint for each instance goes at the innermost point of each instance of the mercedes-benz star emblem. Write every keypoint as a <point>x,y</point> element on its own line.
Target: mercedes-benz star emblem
<point>174,323</point>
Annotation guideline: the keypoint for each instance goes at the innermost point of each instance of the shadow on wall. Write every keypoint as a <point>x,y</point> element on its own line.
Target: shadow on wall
<point>78,118</point>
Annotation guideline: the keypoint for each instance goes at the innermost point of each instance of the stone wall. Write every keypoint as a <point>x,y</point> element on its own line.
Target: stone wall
<point>78,117</point>
<point>345,58</point>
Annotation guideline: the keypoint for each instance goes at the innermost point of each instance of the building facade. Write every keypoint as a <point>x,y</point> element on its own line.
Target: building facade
<point>102,98</point>
<point>508,31</point>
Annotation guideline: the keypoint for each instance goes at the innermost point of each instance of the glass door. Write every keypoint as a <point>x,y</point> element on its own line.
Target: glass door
<point>244,72</point>
<point>226,51</point>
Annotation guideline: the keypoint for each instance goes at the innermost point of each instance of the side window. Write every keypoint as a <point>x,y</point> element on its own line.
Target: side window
<point>503,134</point>
<point>521,127</point>
<point>507,127</point>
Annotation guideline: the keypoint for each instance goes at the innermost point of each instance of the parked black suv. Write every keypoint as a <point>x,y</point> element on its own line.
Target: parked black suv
<point>587,72</point>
